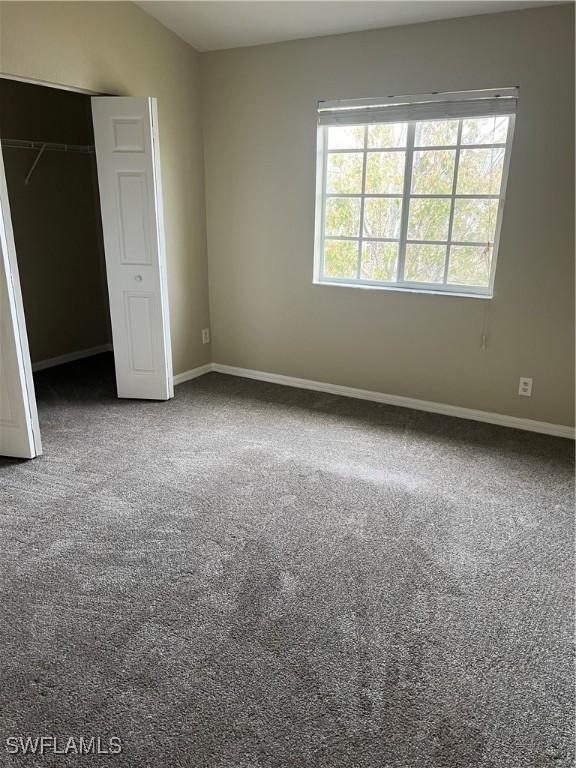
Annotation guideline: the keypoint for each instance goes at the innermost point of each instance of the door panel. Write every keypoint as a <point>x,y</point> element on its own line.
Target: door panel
<point>126,138</point>
<point>19,430</point>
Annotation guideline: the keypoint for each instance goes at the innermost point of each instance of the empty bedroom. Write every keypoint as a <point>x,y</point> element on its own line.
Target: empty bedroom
<point>287,384</point>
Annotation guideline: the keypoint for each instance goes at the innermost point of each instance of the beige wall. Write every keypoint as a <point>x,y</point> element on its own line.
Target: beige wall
<point>259,133</point>
<point>116,48</point>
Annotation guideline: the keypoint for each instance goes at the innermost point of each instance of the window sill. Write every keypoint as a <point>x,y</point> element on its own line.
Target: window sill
<point>402,289</point>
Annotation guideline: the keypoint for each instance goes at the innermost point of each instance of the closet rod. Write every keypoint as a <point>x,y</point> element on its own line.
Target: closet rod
<point>47,145</point>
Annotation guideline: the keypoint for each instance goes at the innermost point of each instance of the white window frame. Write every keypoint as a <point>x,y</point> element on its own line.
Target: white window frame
<point>444,288</point>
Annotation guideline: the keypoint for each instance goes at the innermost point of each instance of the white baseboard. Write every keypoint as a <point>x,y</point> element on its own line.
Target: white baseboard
<point>530,425</point>
<point>500,419</point>
<point>180,378</point>
<point>70,357</point>
<point>557,430</point>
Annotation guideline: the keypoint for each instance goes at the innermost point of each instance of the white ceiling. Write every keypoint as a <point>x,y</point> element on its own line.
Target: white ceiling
<point>218,24</point>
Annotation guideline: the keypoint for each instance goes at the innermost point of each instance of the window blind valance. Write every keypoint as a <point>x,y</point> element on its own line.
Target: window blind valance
<point>434,106</point>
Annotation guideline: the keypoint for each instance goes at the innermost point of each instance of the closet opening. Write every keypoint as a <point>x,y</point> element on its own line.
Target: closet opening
<point>47,139</point>
<point>83,255</point>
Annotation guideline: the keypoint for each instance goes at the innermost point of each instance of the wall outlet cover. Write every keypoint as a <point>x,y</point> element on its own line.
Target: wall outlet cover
<point>525,387</point>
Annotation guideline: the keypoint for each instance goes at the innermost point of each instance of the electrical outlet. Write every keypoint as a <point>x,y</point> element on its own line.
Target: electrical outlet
<point>206,336</point>
<point>525,387</point>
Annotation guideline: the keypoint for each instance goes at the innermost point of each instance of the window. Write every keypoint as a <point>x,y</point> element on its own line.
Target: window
<point>411,192</point>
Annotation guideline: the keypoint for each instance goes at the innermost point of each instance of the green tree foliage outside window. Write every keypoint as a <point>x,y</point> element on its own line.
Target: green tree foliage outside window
<point>452,201</point>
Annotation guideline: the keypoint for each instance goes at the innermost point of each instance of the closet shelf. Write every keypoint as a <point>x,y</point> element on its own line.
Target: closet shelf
<point>48,145</point>
<point>43,146</point>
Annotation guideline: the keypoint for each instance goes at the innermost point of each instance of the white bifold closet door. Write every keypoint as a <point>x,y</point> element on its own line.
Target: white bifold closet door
<point>128,162</point>
<point>127,155</point>
<point>19,431</point>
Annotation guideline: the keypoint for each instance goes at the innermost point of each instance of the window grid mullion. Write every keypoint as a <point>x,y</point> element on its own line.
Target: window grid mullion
<point>324,130</point>
<point>453,202</point>
<point>362,198</point>
<point>349,238</point>
<point>410,241</point>
<point>416,195</point>
<point>406,198</point>
<point>452,147</point>
<point>368,194</point>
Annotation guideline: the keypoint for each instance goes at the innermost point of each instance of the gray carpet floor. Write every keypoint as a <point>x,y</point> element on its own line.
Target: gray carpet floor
<point>252,576</point>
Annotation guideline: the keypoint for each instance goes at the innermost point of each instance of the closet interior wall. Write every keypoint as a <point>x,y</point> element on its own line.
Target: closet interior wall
<point>56,219</point>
